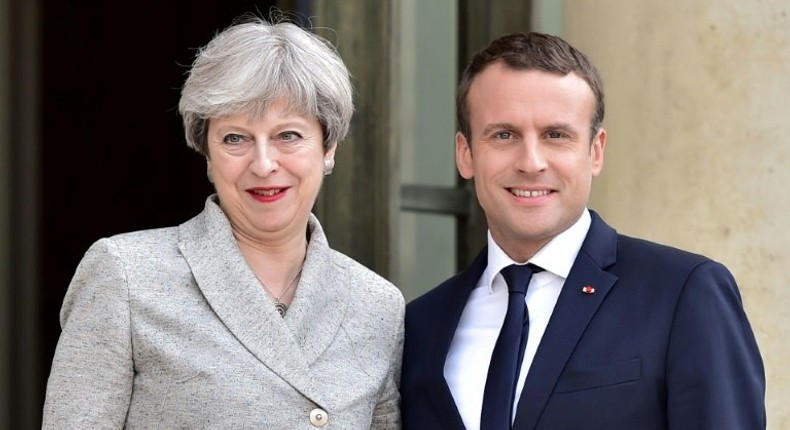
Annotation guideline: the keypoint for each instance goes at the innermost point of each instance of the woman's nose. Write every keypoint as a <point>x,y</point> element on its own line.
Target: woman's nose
<point>266,159</point>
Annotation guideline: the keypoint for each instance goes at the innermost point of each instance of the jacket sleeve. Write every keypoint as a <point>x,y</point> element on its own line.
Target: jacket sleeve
<point>387,415</point>
<point>90,383</point>
<point>715,374</point>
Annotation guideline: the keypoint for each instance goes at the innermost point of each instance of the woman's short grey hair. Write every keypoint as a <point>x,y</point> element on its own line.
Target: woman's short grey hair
<point>253,63</point>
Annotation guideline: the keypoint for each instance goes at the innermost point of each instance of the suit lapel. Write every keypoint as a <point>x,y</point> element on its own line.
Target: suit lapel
<point>454,298</point>
<point>238,300</point>
<point>571,316</point>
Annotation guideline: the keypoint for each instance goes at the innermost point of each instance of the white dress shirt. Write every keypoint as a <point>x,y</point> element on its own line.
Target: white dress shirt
<point>470,352</point>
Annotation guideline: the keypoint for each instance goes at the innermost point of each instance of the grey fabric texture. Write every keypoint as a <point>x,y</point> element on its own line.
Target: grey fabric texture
<point>169,328</point>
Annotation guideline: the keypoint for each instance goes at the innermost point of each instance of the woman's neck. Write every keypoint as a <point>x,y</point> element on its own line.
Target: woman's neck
<point>275,263</point>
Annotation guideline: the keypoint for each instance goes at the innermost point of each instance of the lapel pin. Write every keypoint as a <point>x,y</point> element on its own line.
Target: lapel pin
<point>587,289</point>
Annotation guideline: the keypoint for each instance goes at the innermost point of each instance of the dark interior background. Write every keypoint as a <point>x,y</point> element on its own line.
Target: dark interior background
<point>113,156</point>
<point>95,87</point>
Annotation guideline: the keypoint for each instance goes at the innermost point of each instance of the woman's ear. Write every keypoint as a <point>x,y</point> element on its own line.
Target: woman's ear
<point>329,160</point>
<point>208,171</point>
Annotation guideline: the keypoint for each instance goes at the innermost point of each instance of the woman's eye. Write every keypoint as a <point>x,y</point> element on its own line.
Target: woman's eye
<point>289,136</point>
<point>233,139</point>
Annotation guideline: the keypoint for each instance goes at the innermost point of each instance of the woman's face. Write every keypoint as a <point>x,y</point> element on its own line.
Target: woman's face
<point>267,171</point>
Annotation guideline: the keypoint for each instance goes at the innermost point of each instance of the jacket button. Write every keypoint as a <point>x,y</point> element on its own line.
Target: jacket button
<point>318,417</point>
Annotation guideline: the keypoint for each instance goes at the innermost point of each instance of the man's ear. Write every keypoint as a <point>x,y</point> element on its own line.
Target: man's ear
<point>463,156</point>
<point>597,147</point>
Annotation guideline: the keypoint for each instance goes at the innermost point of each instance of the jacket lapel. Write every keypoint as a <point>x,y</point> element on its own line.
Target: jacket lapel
<point>570,318</point>
<point>456,295</point>
<point>320,304</point>
<point>235,295</point>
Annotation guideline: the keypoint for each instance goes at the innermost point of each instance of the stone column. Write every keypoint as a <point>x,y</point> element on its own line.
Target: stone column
<point>360,201</point>
<point>699,143</point>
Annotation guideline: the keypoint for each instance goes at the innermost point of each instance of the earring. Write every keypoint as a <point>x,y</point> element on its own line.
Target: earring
<point>210,177</point>
<point>329,165</point>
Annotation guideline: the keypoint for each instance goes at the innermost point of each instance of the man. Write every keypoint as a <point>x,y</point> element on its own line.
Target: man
<point>621,333</point>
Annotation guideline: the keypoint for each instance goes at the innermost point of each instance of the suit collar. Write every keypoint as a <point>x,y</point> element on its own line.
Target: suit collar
<point>571,316</point>
<point>452,296</point>
<point>557,256</point>
<point>456,295</point>
<point>600,245</point>
<point>288,346</point>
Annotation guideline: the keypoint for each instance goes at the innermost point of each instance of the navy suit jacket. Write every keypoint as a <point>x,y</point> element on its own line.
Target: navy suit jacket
<point>662,343</point>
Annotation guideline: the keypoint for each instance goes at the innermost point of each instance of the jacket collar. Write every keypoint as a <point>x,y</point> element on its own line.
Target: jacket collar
<point>572,315</point>
<point>453,295</point>
<point>289,345</point>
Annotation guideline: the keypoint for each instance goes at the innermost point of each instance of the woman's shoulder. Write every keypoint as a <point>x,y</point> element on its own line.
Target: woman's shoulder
<point>363,279</point>
<point>150,242</point>
<point>356,269</point>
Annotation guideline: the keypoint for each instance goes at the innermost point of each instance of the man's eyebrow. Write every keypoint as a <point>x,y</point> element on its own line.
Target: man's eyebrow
<point>564,126</point>
<point>498,126</point>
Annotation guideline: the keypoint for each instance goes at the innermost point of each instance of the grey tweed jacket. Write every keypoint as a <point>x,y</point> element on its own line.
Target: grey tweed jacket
<point>169,328</point>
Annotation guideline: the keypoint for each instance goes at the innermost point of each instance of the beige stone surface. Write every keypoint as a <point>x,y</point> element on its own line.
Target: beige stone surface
<point>698,119</point>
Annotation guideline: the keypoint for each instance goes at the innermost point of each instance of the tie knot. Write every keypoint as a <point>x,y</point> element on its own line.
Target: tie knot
<point>518,276</point>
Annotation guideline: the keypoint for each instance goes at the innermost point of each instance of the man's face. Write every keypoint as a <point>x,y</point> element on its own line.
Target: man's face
<point>530,153</point>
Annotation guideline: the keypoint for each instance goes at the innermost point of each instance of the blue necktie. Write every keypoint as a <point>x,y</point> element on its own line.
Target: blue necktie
<point>508,351</point>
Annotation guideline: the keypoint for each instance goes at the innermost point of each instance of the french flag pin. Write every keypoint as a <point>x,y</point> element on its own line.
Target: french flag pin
<point>588,289</point>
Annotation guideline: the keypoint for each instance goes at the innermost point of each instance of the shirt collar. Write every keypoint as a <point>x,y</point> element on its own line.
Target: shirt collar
<point>556,257</point>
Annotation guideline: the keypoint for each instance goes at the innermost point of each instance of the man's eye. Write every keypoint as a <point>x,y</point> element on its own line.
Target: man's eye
<point>504,135</point>
<point>554,135</point>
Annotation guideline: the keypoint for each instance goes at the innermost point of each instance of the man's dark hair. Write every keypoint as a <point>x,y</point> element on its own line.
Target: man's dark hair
<point>530,51</point>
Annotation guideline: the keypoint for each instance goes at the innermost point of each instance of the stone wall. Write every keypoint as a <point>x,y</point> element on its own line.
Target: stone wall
<point>698,121</point>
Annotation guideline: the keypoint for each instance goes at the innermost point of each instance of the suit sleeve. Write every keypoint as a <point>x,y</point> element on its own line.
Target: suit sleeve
<point>90,382</point>
<point>715,374</point>
<point>387,415</point>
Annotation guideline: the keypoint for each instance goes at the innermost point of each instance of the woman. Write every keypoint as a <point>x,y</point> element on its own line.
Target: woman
<point>242,317</point>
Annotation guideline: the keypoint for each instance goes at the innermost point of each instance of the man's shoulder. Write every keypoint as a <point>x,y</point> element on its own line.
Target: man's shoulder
<point>454,289</point>
<point>634,249</point>
<point>435,295</point>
